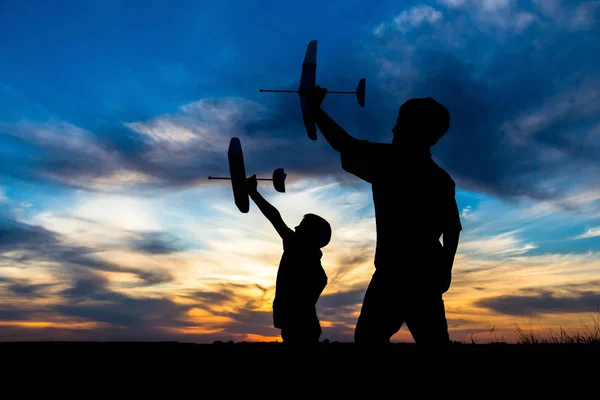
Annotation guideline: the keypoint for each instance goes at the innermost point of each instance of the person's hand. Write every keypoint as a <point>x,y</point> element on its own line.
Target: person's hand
<point>446,279</point>
<point>315,96</point>
<point>251,184</point>
<point>446,274</point>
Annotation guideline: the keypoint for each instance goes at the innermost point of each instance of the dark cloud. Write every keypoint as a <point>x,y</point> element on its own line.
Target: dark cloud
<point>251,321</point>
<point>34,243</point>
<point>342,299</point>
<point>544,302</point>
<point>504,121</point>
<point>88,287</point>
<point>517,126</point>
<point>124,317</point>
<point>156,243</point>
<point>91,299</point>
<point>454,323</point>
<point>24,289</point>
<point>338,310</point>
<point>129,312</point>
<point>12,314</point>
<point>15,236</point>
<point>225,292</point>
<point>214,297</point>
<point>500,81</point>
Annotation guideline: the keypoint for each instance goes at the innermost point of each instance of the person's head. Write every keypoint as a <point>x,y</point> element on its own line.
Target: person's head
<point>314,230</point>
<point>421,121</point>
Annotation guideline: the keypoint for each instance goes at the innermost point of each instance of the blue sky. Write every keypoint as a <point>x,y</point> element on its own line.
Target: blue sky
<point>113,113</point>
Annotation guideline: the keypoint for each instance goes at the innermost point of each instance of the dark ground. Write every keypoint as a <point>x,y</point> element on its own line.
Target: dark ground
<point>174,370</point>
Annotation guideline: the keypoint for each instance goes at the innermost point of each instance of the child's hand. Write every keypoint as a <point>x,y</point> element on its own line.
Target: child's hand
<point>251,184</point>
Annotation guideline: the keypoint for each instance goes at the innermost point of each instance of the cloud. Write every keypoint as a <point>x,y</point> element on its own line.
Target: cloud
<point>105,255</point>
<point>24,244</point>
<point>590,233</point>
<point>501,15</point>
<point>90,299</point>
<point>156,243</point>
<point>495,5</point>
<point>515,132</point>
<point>69,155</point>
<point>569,14</point>
<point>503,244</point>
<point>336,301</point>
<point>379,30</point>
<point>463,53</point>
<point>22,288</point>
<point>91,304</point>
<point>466,212</point>
<point>170,151</point>
<point>18,236</point>
<point>570,105</point>
<point>452,3</point>
<point>415,17</point>
<point>543,302</point>
<point>524,127</point>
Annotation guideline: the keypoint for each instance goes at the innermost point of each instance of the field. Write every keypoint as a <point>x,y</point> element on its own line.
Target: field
<point>560,367</point>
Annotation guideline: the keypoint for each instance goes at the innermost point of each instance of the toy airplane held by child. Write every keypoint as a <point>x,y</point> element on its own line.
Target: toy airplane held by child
<point>237,172</point>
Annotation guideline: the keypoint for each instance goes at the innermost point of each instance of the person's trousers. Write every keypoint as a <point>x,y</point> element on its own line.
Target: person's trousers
<point>390,302</point>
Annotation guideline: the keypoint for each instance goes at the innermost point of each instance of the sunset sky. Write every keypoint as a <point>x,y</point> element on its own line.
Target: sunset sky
<point>114,113</point>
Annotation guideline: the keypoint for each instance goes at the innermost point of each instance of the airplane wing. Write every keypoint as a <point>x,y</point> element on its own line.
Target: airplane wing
<point>307,81</point>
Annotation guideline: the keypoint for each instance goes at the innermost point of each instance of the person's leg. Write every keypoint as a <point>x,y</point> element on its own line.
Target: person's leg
<point>380,317</point>
<point>285,336</point>
<point>315,332</point>
<point>426,320</point>
<point>302,333</point>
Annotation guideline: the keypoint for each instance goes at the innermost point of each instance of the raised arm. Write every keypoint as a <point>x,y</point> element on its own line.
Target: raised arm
<point>267,209</point>
<point>335,135</point>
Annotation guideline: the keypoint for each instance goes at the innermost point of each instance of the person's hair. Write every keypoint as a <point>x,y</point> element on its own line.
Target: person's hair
<point>424,116</point>
<point>320,230</point>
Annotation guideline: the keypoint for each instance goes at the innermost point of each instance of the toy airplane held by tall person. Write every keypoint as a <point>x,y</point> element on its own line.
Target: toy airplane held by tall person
<point>307,81</point>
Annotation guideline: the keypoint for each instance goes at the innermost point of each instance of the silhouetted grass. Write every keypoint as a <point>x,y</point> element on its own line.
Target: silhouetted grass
<point>590,335</point>
<point>586,335</point>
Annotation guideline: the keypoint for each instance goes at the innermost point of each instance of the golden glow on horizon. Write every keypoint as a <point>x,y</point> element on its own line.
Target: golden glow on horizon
<point>229,280</point>
<point>252,337</point>
<point>52,324</point>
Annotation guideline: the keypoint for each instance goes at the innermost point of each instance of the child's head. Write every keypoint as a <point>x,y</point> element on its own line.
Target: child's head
<point>314,230</point>
<point>421,120</point>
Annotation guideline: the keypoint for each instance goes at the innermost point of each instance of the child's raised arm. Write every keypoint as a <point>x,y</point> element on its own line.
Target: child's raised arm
<point>267,209</point>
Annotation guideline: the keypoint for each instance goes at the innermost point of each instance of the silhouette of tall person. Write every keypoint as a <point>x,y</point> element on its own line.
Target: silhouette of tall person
<point>415,208</point>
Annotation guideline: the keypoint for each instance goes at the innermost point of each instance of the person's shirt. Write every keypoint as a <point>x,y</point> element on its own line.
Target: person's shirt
<point>414,200</point>
<point>300,280</point>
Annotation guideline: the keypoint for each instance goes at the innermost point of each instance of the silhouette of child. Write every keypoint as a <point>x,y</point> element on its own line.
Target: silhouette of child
<point>300,277</point>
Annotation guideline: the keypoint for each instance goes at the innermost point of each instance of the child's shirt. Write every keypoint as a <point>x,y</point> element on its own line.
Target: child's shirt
<point>300,281</point>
